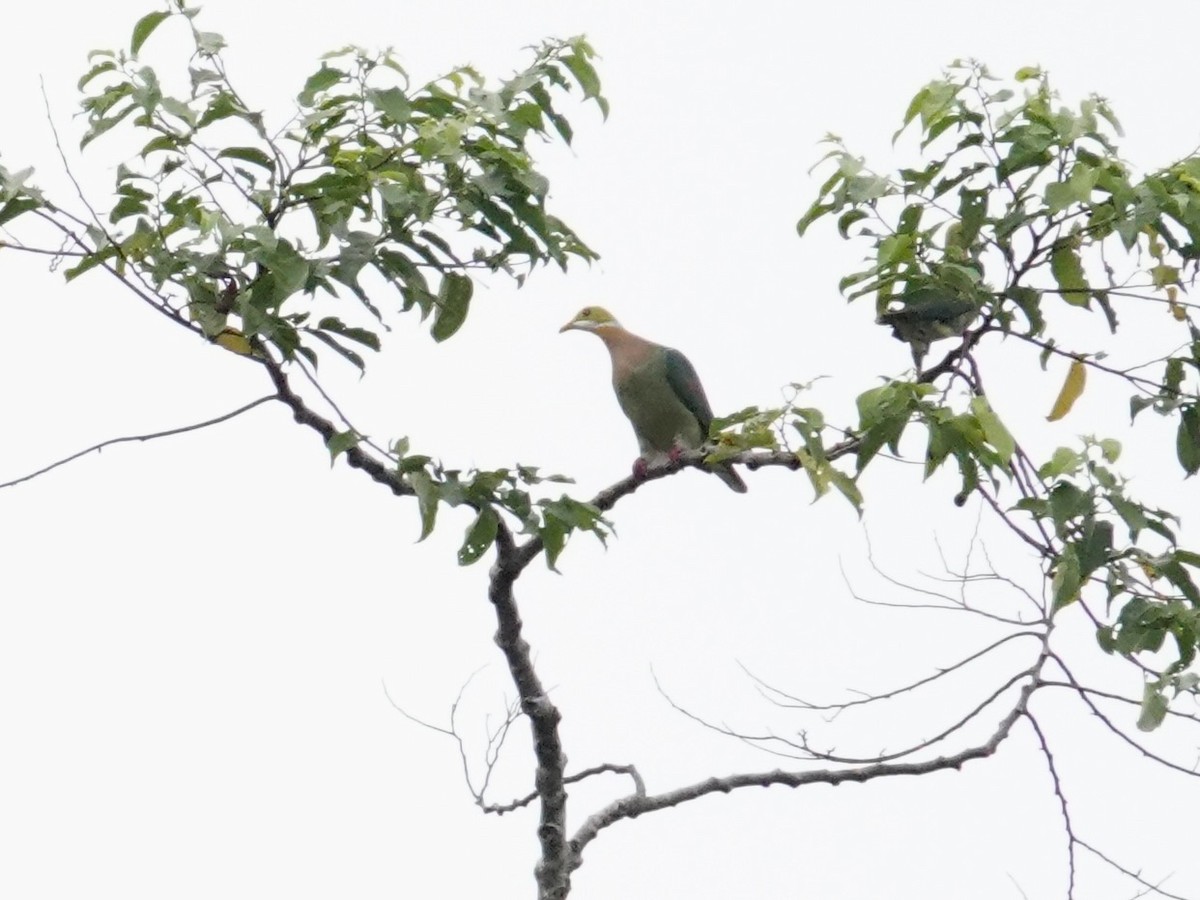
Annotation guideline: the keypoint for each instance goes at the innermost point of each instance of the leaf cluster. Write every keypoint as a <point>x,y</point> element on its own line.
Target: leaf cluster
<point>1021,216</point>
<point>376,185</point>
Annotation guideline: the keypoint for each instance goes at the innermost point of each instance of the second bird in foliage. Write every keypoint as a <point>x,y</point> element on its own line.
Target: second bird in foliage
<point>658,391</point>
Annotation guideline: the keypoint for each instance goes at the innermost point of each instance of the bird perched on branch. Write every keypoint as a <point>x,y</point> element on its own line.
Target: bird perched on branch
<point>658,391</point>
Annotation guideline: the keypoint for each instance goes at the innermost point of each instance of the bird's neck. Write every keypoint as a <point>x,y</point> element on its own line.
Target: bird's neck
<point>628,351</point>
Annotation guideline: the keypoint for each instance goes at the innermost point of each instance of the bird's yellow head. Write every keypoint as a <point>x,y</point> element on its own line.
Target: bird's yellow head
<point>591,318</point>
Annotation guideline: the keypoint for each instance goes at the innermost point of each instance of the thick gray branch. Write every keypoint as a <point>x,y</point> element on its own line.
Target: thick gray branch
<point>632,806</point>
<point>553,870</point>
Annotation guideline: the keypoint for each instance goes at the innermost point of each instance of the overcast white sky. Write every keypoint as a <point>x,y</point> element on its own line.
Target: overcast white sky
<point>195,634</point>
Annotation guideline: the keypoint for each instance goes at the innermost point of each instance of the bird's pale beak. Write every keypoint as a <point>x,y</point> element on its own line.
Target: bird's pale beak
<point>567,327</point>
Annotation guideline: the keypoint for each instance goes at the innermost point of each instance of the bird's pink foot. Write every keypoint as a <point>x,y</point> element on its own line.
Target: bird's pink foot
<point>674,453</point>
<point>639,468</point>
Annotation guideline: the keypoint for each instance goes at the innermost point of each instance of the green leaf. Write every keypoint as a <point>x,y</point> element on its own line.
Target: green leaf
<point>480,535</point>
<point>428,495</point>
<point>1076,189</point>
<point>849,218</point>
<point>585,74</point>
<point>359,335</point>
<point>554,537</point>
<point>1137,404</point>
<point>1068,272</point>
<point>453,303</point>
<point>104,124</point>
<point>250,155</point>
<point>1029,302</point>
<point>1110,449</point>
<point>15,207</point>
<point>209,42</point>
<point>394,103</point>
<point>1179,576</point>
<point>1064,461</point>
<point>993,429</point>
<point>223,106</point>
<point>321,80</point>
<point>340,443</point>
<point>1094,548</point>
<point>1132,514</point>
<point>847,486</point>
<point>1187,439</point>
<point>90,262</point>
<point>1068,502</point>
<point>813,213</point>
<point>1154,708</point>
<point>1066,582</point>
<point>99,69</point>
<point>144,28</point>
<point>345,352</point>
<point>164,142</point>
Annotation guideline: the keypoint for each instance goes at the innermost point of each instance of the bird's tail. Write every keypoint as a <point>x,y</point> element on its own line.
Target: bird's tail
<point>727,474</point>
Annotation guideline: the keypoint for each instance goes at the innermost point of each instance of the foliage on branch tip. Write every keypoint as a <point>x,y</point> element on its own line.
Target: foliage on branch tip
<point>1022,213</point>
<point>375,185</point>
<point>494,494</point>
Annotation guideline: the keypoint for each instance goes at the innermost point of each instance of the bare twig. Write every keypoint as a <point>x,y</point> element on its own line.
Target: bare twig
<point>632,806</point>
<point>96,448</point>
<point>1111,726</point>
<point>1150,887</point>
<point>799,703</point>
<point>1062,802</point>
<point>1107,695</point>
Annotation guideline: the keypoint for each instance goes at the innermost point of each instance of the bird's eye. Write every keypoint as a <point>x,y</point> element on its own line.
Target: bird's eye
<point>587,312</point>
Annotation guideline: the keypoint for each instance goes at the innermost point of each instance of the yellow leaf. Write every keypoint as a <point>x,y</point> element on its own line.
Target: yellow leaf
<point>234,341</point>
<point>1071,390</point>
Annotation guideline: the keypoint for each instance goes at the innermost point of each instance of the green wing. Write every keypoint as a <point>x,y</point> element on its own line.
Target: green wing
<point>684,381</point>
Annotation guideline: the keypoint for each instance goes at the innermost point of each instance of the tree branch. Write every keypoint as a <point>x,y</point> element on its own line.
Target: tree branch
<point>1062,802</point>
<point>630,770</point>
<point>552,871</point>
<point>355,456</point>
<point>634,805</point>
<point>96,448</point>
<point>1150,887</point>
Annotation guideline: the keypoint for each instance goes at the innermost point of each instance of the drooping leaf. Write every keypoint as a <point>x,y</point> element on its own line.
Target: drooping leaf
<point>321,80</point>
<point>235,342</point>
<point>248,154</point>
<point>341,442</point>
<point>1072,390</point>
<point>359,335</point>
<point>1066,582</point>
<point>993,429</point>
<point>144,28</point>
<point>428,496</point>
<point>480,535</point>
<point>1067,269</point>
<point>1187,439</point>
<point>15,207</point>
<point>1154,708</point>
<point>453,303</point>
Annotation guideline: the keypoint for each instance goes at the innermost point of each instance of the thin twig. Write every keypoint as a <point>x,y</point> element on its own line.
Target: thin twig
<point>95,448</point>
<point>1136,876</point>
<point>1062,802</point>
